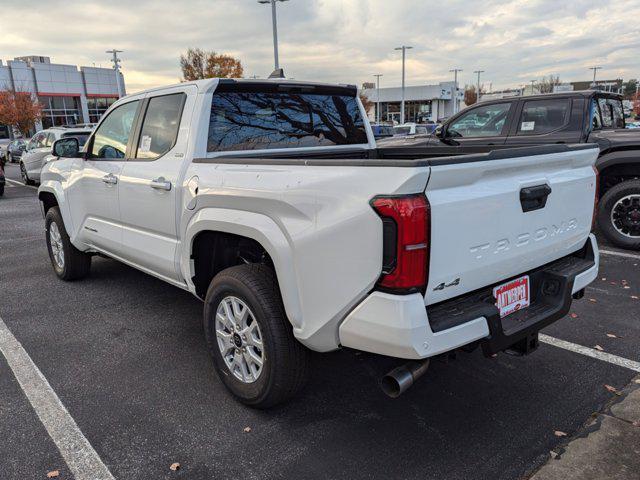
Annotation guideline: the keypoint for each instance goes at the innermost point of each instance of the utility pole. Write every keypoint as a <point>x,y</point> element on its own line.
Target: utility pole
<point>455,89</point>
<point>275,29</point>
<point>595,68</point>
<point>377,75</point>
<point>478,91</point>
<point>116,67</point>
<point>404,48</point>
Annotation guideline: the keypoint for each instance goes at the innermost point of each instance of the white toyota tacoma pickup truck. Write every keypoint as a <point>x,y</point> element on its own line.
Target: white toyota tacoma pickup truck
<point>269,200</point>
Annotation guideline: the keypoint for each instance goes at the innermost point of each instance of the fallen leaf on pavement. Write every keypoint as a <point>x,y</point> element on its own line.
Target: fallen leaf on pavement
<point>604,279</point>
<point>637,380</point>
<point>592,300</point>
<point>636,424</point>
<point>247,429</point>
<point>574,315</point>
<point>612,389</point>
<point>53,474</point>
<point>627,287</point>
<point>558,433</point>
<point>635,297</point>
<point>174,466</point>
<point>553,454</point>
<point>599,348</point>
<point>611,335</point>
<point>613,283</point>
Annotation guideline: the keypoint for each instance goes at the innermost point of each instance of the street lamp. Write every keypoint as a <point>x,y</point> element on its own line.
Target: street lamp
<point>478,91</point>
<point>595,69</point>
<point>275,29</point>
<point>404,48</point>
<point>377,75</point>
<point>116,67</point>
<point>455,88</point>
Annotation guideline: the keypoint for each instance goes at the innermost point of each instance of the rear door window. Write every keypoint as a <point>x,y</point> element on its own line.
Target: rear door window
<point>612,112</point>
<point>543,116</point>
<point>255,120</point>
<point>160,126</point>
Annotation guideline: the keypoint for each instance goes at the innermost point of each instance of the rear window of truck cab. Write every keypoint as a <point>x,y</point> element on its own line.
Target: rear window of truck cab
<point>254,118</point>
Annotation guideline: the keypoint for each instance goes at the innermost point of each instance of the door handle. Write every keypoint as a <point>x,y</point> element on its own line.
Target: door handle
<point>110,179</point>
<point>534,198</point>
<point>160,184</point>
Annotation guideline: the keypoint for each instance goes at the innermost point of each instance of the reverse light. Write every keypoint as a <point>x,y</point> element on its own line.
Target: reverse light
<point>406,242</point>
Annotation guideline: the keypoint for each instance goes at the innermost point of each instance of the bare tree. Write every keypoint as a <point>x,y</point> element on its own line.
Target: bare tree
<point>547,84</point>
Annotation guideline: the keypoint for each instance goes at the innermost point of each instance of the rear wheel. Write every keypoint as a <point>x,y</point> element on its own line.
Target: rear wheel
<point>25,175</point>
<point>619,214</point>
<point>250,338</point>
<point>68,262</point>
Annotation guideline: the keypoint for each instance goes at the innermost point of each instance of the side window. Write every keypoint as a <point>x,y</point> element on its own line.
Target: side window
<point>40,140</point>
<point>543,116</point>
<point>617,112</point>
<point>50,139</point>
<point>160,126</point>
<point>484,121</point>
<point>596,121</point>
<point>111,137</point>
<point>607,112</point>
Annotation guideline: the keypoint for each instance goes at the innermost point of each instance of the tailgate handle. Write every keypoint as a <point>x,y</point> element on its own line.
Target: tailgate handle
<point>534,198</point>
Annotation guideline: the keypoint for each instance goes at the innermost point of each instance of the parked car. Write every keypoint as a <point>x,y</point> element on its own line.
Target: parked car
<point>221,188</point>
<point>15,150</point>
<point>410,128</point>
<point>38,150</point>
<point>557,118</point>
<point>382,131</point>
<point>4,143</point>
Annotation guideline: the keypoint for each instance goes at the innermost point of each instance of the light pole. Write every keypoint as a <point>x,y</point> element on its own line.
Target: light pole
<point>404,48</point>
<point>275,29</point>
<point>377,75</point>
<point>455,88</point>
<point>478,92</point>
<point>595,69</point>
<point>116,67</point>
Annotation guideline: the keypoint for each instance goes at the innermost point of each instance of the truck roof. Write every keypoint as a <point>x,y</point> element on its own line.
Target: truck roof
<point>210,84</point>
<point>540,96</point>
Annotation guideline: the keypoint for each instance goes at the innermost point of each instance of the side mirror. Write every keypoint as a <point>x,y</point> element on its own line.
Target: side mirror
<point>66,148</point>
<point>439,131</point>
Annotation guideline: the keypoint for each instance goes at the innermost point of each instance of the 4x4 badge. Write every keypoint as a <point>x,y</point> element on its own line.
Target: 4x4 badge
<point>443,285</point>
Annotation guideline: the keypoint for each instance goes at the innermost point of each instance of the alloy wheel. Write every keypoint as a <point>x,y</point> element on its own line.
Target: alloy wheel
<point>625,216</point>
<point>239,339</point>
<point>55,240</point>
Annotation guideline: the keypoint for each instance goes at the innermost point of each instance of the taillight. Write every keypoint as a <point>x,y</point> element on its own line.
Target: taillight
<point>596,199</point>
<point>406,224</point>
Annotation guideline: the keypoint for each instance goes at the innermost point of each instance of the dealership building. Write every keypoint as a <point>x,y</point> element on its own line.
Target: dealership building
<point>422,102</point>
<point>69,95</point>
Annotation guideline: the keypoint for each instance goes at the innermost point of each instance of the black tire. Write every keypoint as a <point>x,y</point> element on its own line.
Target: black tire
<point>25,175</point>
<point>1,189</point>
<point>286,361</point>
<point>76,264</point>
<point>606,205</point>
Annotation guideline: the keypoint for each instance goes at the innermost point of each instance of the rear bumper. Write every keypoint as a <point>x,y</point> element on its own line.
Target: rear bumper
<point>400,325</point>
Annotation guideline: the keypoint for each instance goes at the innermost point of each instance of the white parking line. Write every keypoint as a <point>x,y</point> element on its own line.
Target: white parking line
<point>590,352</point>
<point>620,254</point>
<point>20,183</point>
<point>82,459</point>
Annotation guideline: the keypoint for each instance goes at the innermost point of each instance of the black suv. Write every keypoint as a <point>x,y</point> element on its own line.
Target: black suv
<point>571,117</point>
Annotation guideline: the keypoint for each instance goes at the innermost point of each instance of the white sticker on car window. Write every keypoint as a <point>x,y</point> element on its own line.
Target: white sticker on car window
<point>527,126</point>
<point>145,143</point>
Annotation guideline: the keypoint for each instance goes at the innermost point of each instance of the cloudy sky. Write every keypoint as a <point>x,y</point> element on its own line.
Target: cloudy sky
<point>343,41</point>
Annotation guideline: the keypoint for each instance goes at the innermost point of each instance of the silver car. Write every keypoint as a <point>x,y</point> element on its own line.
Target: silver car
<point>38,150</point>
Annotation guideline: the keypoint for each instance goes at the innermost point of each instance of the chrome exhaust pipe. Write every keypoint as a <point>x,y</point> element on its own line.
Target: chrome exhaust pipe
<point>398,380</point>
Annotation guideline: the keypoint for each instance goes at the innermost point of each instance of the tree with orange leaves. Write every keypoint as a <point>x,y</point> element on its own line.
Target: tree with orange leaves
<point>197,64</point>
<point>19,110</point>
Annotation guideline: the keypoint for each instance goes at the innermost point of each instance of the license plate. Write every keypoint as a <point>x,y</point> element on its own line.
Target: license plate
<point>512,296</point>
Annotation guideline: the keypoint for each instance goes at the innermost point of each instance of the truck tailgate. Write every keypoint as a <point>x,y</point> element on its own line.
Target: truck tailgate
<point>488,222</point>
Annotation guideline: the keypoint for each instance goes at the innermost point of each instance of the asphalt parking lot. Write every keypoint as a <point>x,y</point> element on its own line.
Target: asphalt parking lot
<point>126,356</point>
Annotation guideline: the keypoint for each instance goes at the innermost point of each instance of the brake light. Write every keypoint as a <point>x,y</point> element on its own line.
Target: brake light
<point>596,199</point>
<point>406,236</point>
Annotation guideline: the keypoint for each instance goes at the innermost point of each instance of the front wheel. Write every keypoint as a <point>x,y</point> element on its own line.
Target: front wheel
<point>619,214</point>
<point>25,175</point>
<point>68,262</point>
<point>250,338</point>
